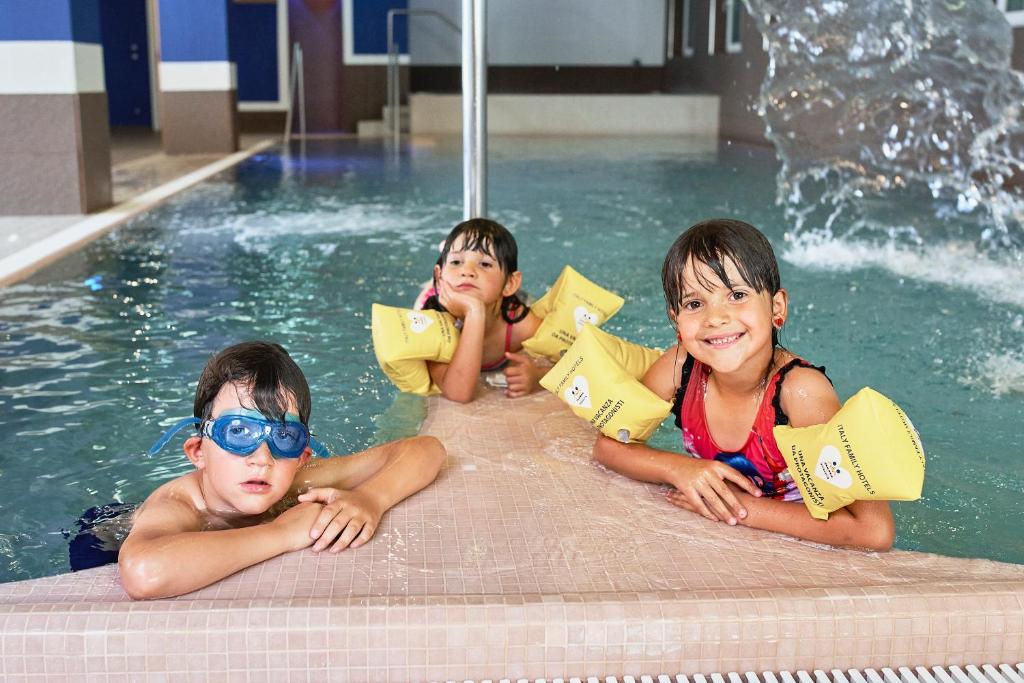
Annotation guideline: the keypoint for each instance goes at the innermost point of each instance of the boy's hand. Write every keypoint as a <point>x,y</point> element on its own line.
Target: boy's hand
<point>522,374</point>
<point>351,517</point>
<point>702,486</point>
<point>295,522</point>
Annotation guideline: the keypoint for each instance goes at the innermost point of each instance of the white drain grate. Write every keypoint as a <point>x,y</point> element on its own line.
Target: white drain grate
<point>987,673</point>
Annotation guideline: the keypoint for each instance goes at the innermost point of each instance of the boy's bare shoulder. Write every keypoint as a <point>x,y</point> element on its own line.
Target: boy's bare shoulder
<point>177,503</point>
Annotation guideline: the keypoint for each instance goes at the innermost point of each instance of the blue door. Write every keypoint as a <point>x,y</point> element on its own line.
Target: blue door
<point>126,61</point>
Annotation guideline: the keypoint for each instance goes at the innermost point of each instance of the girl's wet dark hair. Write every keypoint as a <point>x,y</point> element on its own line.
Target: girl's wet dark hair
<point>491,238</point>
<point>713,242</point>
<point>266,369</point>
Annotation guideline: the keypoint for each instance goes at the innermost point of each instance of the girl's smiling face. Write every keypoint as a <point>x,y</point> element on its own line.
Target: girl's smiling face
<point>726,328</point>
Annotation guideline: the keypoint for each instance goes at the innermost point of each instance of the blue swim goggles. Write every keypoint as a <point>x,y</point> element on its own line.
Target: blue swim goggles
<point>241,432</point>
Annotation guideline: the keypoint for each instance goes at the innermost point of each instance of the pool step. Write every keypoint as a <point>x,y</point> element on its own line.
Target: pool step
<point>382,126</point>
<point>986,673</point>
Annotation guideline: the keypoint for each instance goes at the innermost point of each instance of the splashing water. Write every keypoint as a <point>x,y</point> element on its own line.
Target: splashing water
<point>896,121</point>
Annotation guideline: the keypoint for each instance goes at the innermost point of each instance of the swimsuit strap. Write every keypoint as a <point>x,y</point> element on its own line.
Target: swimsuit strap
<point>775,389</point>
<point>780,417</point>
<point>684,380</point>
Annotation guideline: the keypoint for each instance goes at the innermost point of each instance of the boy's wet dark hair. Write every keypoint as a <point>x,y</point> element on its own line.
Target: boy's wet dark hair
<point>266,369</point>
<point>491,238</point>
<point>712,242</point>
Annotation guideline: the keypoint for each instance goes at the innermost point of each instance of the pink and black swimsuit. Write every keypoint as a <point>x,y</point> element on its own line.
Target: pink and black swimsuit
<point>759,458</point>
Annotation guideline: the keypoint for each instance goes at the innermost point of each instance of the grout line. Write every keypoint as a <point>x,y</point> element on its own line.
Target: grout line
<point>23,263</point>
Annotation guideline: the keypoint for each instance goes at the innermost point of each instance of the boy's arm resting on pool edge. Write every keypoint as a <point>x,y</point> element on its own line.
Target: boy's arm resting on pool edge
<point>808,399</point>
<point>168,553</point>
<point>356,490</point>
<point>703,482</point>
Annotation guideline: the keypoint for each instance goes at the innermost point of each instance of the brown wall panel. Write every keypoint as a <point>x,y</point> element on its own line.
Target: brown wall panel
<point>316,26</point>
<point>54,154</point>
<point>1017,56</point>
<point>94,122</point>
<point>199,122</point>
<point>545,79</point>
<point>735,78</point>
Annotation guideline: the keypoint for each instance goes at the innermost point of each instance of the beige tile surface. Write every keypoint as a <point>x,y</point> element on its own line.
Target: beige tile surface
<point>526,559</point>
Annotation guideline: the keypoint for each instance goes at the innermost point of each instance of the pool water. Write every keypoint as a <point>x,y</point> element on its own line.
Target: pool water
<point>101,351</point>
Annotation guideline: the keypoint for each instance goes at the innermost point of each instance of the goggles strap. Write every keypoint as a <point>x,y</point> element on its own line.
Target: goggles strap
<point>169,434</point>
<point>319,449</point>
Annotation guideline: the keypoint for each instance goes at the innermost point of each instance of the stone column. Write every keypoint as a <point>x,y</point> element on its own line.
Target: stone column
<point>54,129</point>
<point>198,84</point>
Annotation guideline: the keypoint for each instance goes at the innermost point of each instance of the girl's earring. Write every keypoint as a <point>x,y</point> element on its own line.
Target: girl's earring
<point>779,322</point>
<point>679,337</point>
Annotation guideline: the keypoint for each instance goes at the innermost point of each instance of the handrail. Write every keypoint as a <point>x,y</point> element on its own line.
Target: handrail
<point>296,79</point>
<point>394,82</point>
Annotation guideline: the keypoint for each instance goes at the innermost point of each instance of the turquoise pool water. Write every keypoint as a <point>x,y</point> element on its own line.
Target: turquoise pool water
<point>296,250</point>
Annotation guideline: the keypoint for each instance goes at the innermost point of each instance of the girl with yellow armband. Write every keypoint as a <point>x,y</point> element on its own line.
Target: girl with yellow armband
<point>732,383</point>
<point>476,279</point>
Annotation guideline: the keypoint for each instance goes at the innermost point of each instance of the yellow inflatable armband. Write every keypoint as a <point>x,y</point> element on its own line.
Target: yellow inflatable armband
<point>598,378</point>
<point>404,339</point>
<point>869,450</point>
<point>571,302</point>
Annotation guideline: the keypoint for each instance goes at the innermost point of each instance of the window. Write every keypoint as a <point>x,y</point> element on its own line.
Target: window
<point>689,27</point>
<point>724,20</point>
<point>733,20</point>
<point>1014,11</point>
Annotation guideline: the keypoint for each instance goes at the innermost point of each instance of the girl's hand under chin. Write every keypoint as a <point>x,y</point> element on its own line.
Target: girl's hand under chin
<point>459,304</point>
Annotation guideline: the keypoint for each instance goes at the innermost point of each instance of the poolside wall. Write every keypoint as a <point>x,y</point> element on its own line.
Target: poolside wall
<point>580,114</point>
<point>339,94</point>
<point>54,138</point>
<point>525,559</point>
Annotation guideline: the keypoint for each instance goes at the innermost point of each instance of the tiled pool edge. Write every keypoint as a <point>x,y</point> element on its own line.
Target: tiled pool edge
<point>24,262</point>
<point>358,617</point>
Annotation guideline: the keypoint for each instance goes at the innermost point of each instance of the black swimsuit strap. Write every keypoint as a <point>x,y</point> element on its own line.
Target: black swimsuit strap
<point>684,380</point>
<point>780,416</point>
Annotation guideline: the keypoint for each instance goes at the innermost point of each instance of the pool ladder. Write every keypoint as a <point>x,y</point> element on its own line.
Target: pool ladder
<point>986,673</point>
<point>296,81</point>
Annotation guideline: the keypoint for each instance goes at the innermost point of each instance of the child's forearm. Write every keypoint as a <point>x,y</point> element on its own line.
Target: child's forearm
<point>410,465</point>
<point>865,524</point>
<point>463,372</point>
<point>181,563</point>
<point>636,461</point>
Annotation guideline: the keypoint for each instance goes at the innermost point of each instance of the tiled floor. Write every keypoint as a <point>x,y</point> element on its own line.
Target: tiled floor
<point>139,166</point>
<point>527,560</point>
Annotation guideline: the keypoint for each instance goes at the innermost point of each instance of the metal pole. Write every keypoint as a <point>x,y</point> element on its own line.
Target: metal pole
<point>395,133</point>
<point>291,94</point>
<point>474,108</point>
<point>302,93</point>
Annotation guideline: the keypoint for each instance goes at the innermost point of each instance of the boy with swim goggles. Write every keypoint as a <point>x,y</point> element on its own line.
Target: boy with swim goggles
<point>246,463</point>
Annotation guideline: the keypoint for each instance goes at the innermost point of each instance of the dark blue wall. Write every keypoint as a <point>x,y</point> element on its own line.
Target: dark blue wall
<point>126,62</point>
<point>194,31</point>
<point>253,38</point>
<point>370,26</point>
<point>77,20</point>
